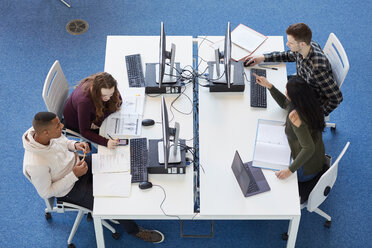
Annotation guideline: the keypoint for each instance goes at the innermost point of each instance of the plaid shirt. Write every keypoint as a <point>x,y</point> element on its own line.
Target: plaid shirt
<point>316,71</point>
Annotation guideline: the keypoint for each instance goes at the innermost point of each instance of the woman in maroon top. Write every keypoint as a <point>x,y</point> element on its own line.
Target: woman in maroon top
<point>95,98</point>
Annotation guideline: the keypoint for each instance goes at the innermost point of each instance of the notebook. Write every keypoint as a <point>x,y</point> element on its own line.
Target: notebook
<point>246,175</point>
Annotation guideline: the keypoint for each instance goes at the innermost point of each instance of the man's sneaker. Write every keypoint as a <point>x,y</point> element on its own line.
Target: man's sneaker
<point>153,236</point>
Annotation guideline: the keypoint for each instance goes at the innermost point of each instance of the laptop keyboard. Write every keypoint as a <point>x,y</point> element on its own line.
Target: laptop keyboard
<point>253,187</point>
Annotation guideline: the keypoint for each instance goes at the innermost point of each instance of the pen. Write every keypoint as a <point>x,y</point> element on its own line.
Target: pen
<point>110,136</point>
<point>272,68</point>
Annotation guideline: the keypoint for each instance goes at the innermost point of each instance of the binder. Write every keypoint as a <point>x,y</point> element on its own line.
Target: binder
<point>271,149</point>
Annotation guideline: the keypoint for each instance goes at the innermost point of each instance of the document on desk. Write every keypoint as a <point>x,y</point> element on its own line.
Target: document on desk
<point>127,121</point>
<point>112,184</point>
<point>247,38</point>
<point>271,147</point>
<point>108,163</point>
<point>245,41</point>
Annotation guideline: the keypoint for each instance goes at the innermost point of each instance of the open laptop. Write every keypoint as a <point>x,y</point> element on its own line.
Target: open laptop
<point>251,179</point>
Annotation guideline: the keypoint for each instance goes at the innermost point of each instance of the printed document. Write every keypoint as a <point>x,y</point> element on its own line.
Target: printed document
<point>271,147</point>
<point>106,163</point>
<point>127,121</point>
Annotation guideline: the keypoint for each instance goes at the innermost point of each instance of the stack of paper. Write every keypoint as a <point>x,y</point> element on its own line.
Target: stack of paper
<point>111,176</point>
<point>271,148</point>
<point>127,121</point>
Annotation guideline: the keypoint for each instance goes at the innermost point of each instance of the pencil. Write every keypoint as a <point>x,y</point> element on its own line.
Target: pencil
<point>83,157</point>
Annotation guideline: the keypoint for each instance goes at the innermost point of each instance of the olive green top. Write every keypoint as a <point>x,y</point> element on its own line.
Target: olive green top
<point>306,145</point>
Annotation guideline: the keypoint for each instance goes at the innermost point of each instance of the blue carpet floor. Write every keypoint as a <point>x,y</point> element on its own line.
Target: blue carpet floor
<point>33,36</point>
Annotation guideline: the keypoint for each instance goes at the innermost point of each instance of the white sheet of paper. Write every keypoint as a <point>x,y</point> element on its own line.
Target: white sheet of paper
<point>106,163</point>
<point>112,184</point>
<point>247,38</point>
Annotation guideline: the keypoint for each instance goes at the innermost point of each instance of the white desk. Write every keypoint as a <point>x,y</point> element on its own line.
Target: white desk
<point>228,123</point>
<point>145,204</point>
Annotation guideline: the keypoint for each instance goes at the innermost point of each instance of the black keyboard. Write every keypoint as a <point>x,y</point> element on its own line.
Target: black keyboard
<point>135,71</point>
<point>138,160</point>
<point>253,187</point>
<point>258,93</point>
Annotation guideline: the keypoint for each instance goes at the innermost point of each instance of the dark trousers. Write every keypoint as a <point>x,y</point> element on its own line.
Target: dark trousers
<point>82,195</point>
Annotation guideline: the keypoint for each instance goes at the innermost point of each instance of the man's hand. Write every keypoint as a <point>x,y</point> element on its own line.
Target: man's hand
<point>283,174</point>
<point>253,60</point>
<point>80,168</point>
<point>82,146</point>
<point>263,81</point>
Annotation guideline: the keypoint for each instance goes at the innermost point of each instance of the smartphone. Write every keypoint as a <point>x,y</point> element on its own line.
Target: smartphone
<point>123,142</point>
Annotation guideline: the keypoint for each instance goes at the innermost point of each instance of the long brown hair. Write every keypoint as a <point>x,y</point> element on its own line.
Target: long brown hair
<point>93,84</point>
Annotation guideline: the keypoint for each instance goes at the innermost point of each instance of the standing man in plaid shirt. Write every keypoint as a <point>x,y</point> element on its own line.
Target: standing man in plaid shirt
<point>311,63</point>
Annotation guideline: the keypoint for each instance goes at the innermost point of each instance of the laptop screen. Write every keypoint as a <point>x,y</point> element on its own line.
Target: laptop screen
<point>240,172</point>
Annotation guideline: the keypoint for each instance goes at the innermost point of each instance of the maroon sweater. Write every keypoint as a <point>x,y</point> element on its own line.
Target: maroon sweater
<point>79,113</point>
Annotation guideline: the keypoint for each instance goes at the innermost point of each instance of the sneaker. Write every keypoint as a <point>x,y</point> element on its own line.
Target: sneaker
<point>152,236</point>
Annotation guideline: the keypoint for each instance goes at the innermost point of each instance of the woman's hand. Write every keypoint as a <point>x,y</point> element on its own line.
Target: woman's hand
<point>263,81</point>
<point>112,143</point>
<point>94,126</point>
<point>283,174</point>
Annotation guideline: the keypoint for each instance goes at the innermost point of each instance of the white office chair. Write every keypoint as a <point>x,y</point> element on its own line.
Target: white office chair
<point>322,189</point>
<point>55,93</point>
<point>53,206</point>
<point>336,55</point>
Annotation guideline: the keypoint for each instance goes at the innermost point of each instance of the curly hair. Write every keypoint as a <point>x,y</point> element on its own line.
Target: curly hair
<point>93,84</point>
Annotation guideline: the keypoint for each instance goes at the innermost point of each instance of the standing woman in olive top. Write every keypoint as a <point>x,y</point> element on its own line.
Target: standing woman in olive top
<point>303,127</point>
<point>95,98</point>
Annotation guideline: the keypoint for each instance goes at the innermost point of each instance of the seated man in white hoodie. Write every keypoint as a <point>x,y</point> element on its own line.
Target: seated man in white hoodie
<point>56,170</point>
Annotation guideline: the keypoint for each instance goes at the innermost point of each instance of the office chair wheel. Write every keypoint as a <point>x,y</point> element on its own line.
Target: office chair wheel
<point>328,224</point>
<point>285,236</point>
<point>48,216</point>
<point>89,217</point>
<point>116,235</point>
<point>71,245</point>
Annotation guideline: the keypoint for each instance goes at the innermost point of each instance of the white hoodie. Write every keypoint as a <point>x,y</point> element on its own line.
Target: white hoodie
<point>50,167</point>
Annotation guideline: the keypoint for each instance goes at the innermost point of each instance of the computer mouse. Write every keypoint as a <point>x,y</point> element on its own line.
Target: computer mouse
<point>148,122</point>
<point>248,63</point>
<point>145,185</point>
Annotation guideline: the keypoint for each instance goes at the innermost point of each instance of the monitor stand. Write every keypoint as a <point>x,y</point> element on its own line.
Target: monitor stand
<point>169,78</point>
<point>173,158</point>
<point>151,85</point>
<point>221,79</point>
<point>237,79</point>
<point>154,167</point>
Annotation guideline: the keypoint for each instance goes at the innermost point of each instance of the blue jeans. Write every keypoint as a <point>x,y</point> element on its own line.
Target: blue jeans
<point>301,177</point>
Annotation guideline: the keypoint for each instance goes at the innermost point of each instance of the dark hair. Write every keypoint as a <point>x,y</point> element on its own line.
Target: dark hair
<point>93,84</point>
<point>42,120</point>
<point>300,32</point>
<point>304,101</point>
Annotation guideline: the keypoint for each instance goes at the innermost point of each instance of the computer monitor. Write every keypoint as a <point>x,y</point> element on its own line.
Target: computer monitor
<point>165,71</point>
<point>225,68</point>
<point>169,151</point>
